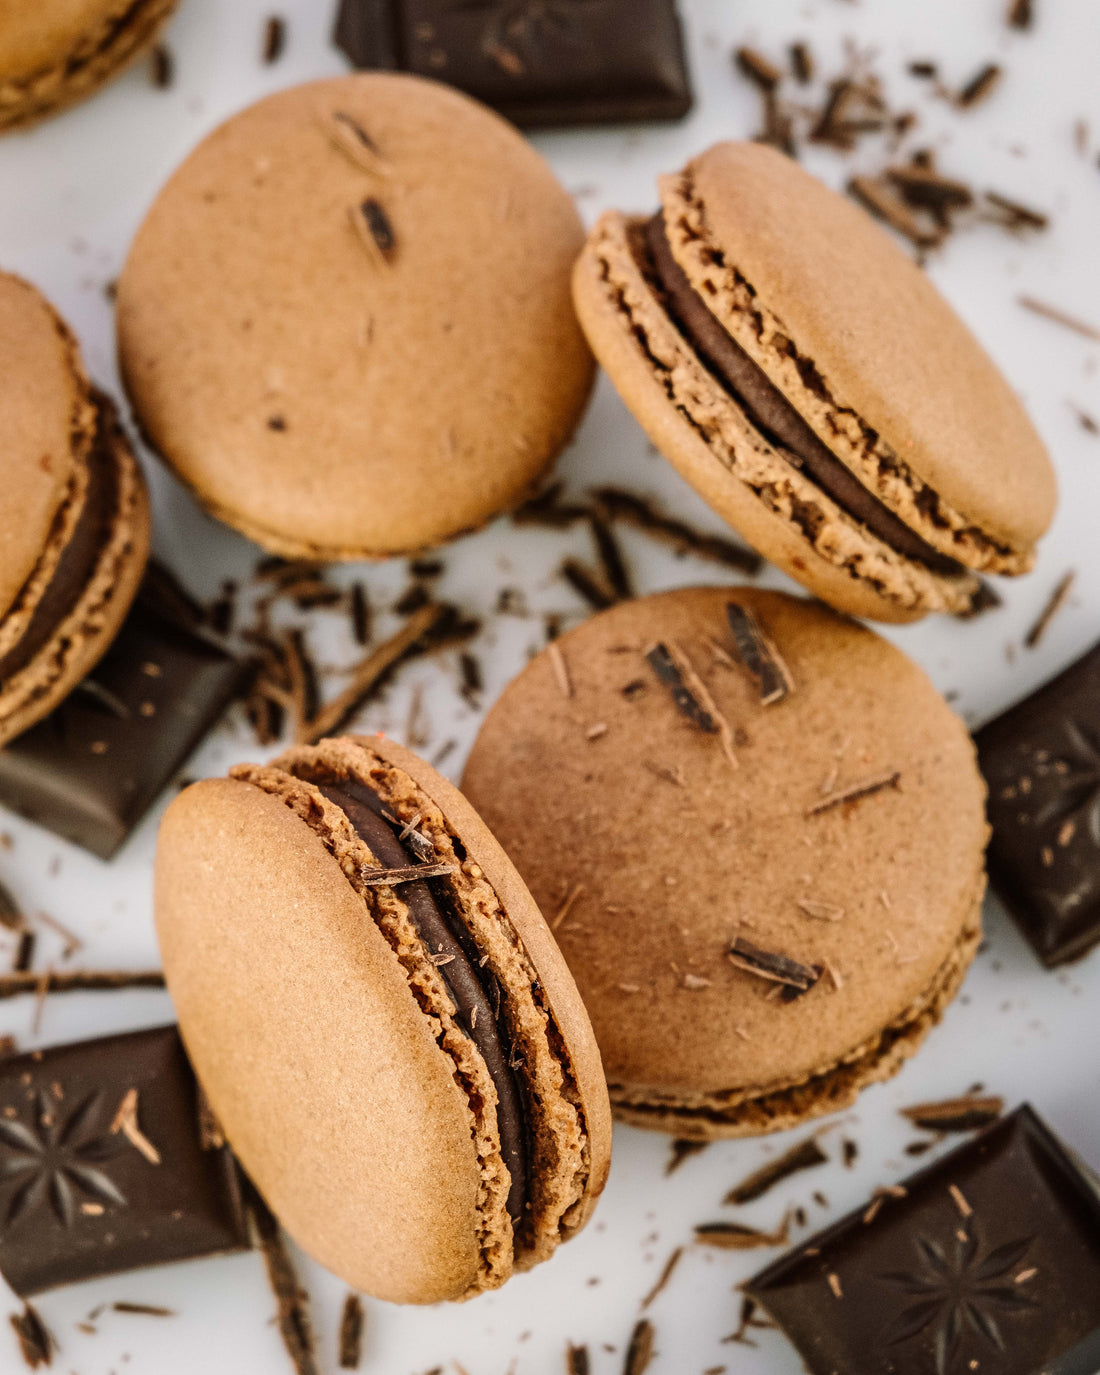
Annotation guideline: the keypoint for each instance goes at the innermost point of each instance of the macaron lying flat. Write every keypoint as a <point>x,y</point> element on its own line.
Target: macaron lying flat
<point>346,322</point>
<point>55,52</point>
<point>812,385</point>
<point>404,1068</point>
<point>74,521</point>
<point>757,831</point>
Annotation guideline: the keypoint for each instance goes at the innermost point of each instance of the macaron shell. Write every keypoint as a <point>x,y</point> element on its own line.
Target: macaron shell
<point>678,850</point>
<point>560,989</point>
<point>886,343</point>
<point>909,591</point>
<point>329,402</point>
<point>55,52</point>
<point>84,635</point>
<point>361,1144</point>
<point>45,412</point>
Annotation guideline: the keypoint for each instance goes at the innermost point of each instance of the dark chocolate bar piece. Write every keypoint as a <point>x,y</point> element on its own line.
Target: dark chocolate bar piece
<point>1041,760</point>
<point>103,1163</point>
<point>539,62</point>
<point>90,769</point>
<point>987,1261</point>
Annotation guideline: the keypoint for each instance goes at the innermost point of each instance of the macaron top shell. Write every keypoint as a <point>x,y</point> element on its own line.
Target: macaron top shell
<point>346,321</point>
<point>324,1058</point>
<point>46,418</point>
<point>882,341</point>
<point>34,37</point>
<point>662,844</point>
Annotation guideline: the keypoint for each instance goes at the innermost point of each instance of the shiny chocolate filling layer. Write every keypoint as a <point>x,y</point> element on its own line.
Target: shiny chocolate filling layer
<point>771,412</point>
<point>476,992</point>
<point>78,559</point>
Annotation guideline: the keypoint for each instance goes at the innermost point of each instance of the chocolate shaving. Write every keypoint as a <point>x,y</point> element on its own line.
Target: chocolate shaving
<point>755,652</point>
<point>802,63</point>
<point>770,965</point>
<point>640,1351</point>
<point>560,667</point>
<point>547,508</point>
<point>735,1236</point>
<point>351,1333</point>
<point>585,585</point>
<point>36,1342</point>
<point>965,1114</point>
<point>77,981</point>
<point>611,559</point>
<point>1059,317</point>
<point>576,1360</point>
<point>126,1121</point>
<point>145,1310</point>
<point>409,873</point>
<point>360,614</point>
<point>1086,421</point>
<point>372,225</point>
<point>349,137</point>
<point>1021,14</point>
<point>979,86</point>
<point>804,1156</point>
<point>670,673</point>
<point>162,66</point>
<point>924,187</point>
<point>881,199</point>
<point>643,515</point>
<point>664,1277</point>
<point>24,954</point>
<point>291,1299</point>
<point>682,1150</point>
<point>11,915</point>
<point>274,39</point>
<point>855,791</point>
<point>1013,215</point>
<point>757,68</point>
<point>850,1152</point>
<point>1054,604</point>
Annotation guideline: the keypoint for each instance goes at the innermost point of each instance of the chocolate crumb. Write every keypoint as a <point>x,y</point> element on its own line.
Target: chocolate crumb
<point>1086,421</point>
<point>770,965</point>
<point>979,86</point>
<point>291,1299</point>
<point>755,652</point>
<point>924,69</point>
<point>850,1152</point>
<point>36,1342</point>
<point>735,1236</point>
<point>274,39</point>
<point>966,1114</point>
<point>1021,14</point>
<point>854,792</point>
<point>351,1333</point>
<point>576,1360</point>
<point>802,63</point>
<point>1055,603</point>
<point>683,1149</point>
<point>162,66</point>
<point>664,1277</point>
<point>77,980</point>
<point>804,1156</point>
<point>640,1351</point>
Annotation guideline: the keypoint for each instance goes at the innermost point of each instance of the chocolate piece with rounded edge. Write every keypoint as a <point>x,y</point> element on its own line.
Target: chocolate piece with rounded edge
<point>555,62</point>
<point>988,1260</point>
<point>82,1198</point>
<point>1041,760</point>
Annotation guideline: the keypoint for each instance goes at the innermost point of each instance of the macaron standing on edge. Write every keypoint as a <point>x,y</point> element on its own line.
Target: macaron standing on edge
<point>404,1068</point>
<point>346,321</point>
<point>803,374</point>
<point>74,523</point>
<point>766,831</point>
<point>55,52</point>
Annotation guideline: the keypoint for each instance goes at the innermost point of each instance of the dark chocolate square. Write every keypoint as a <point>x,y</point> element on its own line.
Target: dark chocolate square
<point>78,1200</point>
<point>1041,760</point>
<point>989,1263</point>
<point>539,62</point>
<point>91,769</point>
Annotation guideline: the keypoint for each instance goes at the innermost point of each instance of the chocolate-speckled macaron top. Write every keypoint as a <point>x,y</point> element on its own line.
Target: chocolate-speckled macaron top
<point>763,831</point>
<point>380,268</point>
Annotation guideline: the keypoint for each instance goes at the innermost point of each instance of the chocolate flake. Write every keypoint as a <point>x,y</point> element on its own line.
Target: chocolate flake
<point>586,586</point>
<point>776,968</point>
<point>669,672</point>
<point>163,66</point>
<point>146,1310</point>
<point>1013,215</point>
<point>1054,604</point>
<point>24,954</point>
<point>349,137</point>
<point>611,559</point>
<point>756,653</point>
<point>965,1114</point>
<point>804,1156</point>
<point>1059,317</point>
<point>360,614</point>
<point>11,915</point>
<point>735,1236</point>
<point>640,1351</point>
<point>36,1342</point>
<point>77,980</point>
<point>960,1200</point>
<point>374,229</point>
<point>351,1333</point>
<point>618,505</point>
<point>547,508</point>
<point>802,63</point>
<point>878,196</point>
<point>291,1299</point>
<point>665,1275</point>
<point>683,1149</point>
<point>1021,14</point>
<point>834,1284</point>
<point>576,1360</point>
<point>979,86</point>
<point>274,39</point>
<point>1087,422</point>
<point>410,873</point>
<point>854,792</point>
<point>850,1152</point>
<point>757,68</point>
<point>560,667</point>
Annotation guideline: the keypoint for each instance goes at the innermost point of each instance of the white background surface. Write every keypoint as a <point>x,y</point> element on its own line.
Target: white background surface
<point>71,194</point>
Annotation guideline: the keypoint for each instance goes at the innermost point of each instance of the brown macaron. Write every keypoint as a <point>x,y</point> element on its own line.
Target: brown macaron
<point>809,381</point>
<point>56,52</point>
<point>74,522</point>
<point>757,832</point>
<point>404,1067</point>
<point>346,321</point>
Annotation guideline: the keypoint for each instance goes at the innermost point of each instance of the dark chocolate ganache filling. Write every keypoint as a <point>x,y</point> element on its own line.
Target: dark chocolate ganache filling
<point>476,992</point>
<point>78,559</point>
<point>771,412</point>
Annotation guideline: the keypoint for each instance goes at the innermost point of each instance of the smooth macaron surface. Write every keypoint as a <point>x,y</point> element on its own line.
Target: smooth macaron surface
<point>74,524</point>
<point>56,51</point>
<point>346,321</point>
<point>327,1035</point>
<point>781,332</point>
<point>651,844</point>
